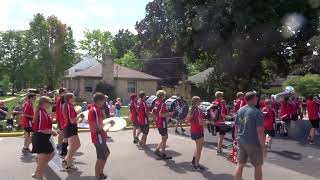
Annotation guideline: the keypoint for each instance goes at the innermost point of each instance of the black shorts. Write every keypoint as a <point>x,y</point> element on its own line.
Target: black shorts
<point>41,143</point>
<point>70,130</point>
<point>196,136</point>
<point>222,129</point>
<point>163,131</point>
<point>144,129</point>
<point>28,129</point>
<point>315,123</point>
<point>270,133</point>
<point>102,151</point>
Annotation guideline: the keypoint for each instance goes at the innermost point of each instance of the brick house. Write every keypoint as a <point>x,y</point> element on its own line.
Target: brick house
<point>83,77</point>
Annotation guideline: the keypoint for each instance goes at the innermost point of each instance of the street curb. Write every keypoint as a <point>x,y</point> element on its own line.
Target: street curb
<point>20,133</point>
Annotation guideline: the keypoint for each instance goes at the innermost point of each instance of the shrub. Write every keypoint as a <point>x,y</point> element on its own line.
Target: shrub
<point>307,86</point>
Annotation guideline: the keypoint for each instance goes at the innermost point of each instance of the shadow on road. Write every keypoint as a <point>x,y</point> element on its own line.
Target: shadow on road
<point>288,154</point>
<point>77,176</point>
<point>27,158</point>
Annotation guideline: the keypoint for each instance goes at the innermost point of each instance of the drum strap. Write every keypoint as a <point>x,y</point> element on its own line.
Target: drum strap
<point>97,126</point>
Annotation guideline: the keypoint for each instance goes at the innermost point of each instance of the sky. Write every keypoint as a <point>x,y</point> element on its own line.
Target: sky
<point>110,15</point>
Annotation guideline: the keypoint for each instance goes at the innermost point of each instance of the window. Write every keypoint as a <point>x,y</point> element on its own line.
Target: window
<point>132,86</point>
<point>88,85</point>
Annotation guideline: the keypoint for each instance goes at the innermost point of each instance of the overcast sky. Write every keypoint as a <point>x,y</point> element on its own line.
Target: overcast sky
<point>110,15</point>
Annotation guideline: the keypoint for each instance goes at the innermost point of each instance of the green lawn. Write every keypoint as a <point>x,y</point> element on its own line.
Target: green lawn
<point>5,97</point>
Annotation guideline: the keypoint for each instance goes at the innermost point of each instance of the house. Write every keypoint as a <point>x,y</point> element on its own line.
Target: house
<point>201,77</point>
<point>83,77</point>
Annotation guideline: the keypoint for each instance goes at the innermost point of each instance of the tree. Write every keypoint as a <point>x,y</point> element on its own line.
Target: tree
<point>307,86</point>
<point>124,41</point>
<point>96,43</point>
<point>15,50</point>
<point>129,60</point>
<point>106,89</point>
<point>55,48</point>
<point>247,42</point>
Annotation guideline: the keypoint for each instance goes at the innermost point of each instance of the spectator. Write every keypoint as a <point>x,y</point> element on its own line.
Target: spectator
<point>111,108</point>
<point>118,105</point>
<point>251,137</point>
<point>17,114</point>
<point>3,111</point>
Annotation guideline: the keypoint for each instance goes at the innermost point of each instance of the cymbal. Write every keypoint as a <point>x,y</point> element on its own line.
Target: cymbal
<point>78,109</point>
<point>118,125</point>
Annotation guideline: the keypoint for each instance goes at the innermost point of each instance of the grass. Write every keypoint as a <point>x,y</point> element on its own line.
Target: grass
<point>5,97</point>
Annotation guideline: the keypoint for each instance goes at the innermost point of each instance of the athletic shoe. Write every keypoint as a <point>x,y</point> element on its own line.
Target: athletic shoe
<point>193,161</point>
<point>59,146</point>
<point>219,152</point>
<point>34,176</point>
<point>103,176</point>
<point>71,168</point>
<point>157,152</point>
<point>135,140</point>
<point>311,142</point>
<point>183,130</point>
<point>198,168</point>
<point>25,150</point>
<point>177,132</point>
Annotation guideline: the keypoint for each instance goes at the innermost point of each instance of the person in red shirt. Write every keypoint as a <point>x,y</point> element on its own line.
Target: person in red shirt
<point>239,102</point>
<point>41,144</point>
<point>294,109</point>
<point>70,131</point>
<point>313,115</point>
<point>220,124</point>
<point>275,105</point>
<point>143,118</point>
<point>285,114</point>
<point>269,122</point>
<point>197,130</point>
<point>160,111</point>
<point>98,134</point>
<point>134,118</point>
<point>27,119</point>
<point>59,117</point>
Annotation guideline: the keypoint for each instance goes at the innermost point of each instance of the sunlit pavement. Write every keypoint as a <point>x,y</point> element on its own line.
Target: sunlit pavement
<point>288,159</point>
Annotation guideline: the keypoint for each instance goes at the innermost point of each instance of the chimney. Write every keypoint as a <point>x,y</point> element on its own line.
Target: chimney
<point>107,68</point>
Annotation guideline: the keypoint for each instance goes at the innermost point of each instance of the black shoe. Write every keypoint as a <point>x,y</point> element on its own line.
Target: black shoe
<point>183,130</point>
<point>157,152</point>
<point>193,161</point>
<point>103,176</point>
<point>177,132</point>
<point>198,168</point>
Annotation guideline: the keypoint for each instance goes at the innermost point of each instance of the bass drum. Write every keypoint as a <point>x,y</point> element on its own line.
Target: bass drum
<point>151,101</point>
<point>178,106</point>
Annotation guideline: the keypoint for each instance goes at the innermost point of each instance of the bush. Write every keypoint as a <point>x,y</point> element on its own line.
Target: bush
<point>5,83</point>
<point>307,86</point>
<point>106,89</point>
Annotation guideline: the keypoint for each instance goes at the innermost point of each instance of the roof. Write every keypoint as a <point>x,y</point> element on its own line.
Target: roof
<point>85,63</point>
<point>119,72</point>
<point>201,77</point>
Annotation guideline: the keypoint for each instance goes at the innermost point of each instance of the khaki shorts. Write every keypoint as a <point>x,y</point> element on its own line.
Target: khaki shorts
<point>253,152</point>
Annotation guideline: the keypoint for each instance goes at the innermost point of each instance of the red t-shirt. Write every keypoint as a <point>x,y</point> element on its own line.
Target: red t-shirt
<point>285,110</point>
<point>59,115</point>
<point>70,113</point>
<point>223,110</point>
<point>262,104</point>
<point>95,118</point>
<point>197,117</point>
<point>133,111</point>
<point>27,110</point>
<point>42,120</point>
<point>269,118</point>
<point>142,112</point>
<point>294,107</point>
<point>313,110</point>
<point>160,108</point>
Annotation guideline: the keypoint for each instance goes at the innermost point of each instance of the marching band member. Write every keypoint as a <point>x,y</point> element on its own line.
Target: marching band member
<point>239,102</point>
<point>98,134</point>
<point>269,122</point>
<point>70,131</point>
<point>313,114</point>
<point>160,110</point>
<point>285,114</point>
<point>220,122</point>
<point>59,117</point>
<point>197,130</point>
<point>27,119</point>
<point>40,139</point>
<point>143,118</point>
<point>134,118</point>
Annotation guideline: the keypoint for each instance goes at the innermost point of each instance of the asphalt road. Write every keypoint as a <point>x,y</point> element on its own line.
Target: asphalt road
<point>288,159</point>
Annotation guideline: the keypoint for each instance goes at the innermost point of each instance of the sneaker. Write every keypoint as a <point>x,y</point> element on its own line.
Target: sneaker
<point>135,140</point>
<point>198,168</point>
<point>103,176</point>
<point>176,131</point>
<point>311,142</point>
<point>59,146</point>
<point>157,152</point>
<point>183,130</point>
<point>25,150</point>
<point>193,161</point>
<point>71,168</point>
<point>34,176</point>
<point>219,152</point>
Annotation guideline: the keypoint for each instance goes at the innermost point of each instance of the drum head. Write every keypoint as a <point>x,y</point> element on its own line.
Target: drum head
<point>118,125</point>
<point>151,102</point>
